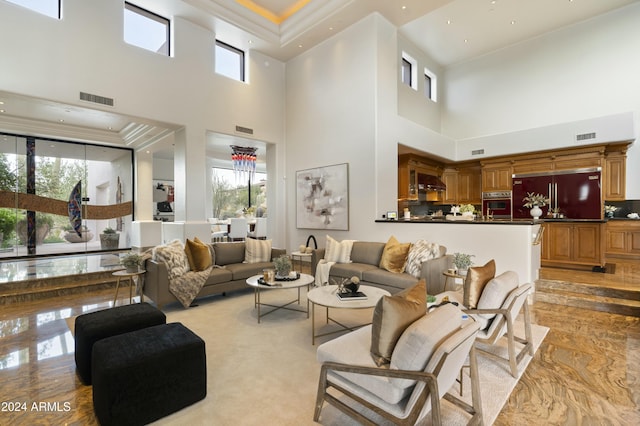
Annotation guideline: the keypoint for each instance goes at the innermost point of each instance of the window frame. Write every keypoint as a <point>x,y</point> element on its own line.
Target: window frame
<point>154,17</point>
<point>234,50</point>
<point>408,68</point>
<point>431,85</point>
<point>58,16</point>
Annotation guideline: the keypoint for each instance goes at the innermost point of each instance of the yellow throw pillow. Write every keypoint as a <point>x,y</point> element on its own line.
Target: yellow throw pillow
<point>198,255</point>
<point>391,316</point>
<point>394,255</point>
<point>477,278</point>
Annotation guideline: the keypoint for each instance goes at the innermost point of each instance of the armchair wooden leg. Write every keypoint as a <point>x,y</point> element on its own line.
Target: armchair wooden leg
<point>322,388</point>
<point>476,400</point>
<point>527,327</point>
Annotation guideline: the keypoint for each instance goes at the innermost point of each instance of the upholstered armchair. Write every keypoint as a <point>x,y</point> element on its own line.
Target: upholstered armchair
<point>499,321</point>
<point>496,304</point>
<point>424,366</point>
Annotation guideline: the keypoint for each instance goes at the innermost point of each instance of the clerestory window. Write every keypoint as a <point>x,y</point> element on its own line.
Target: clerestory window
<point>146,29</point>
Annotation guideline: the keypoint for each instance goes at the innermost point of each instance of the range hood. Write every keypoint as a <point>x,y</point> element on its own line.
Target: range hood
<point>430,183</point>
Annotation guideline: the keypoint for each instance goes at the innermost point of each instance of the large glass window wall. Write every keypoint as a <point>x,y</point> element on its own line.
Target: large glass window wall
<point>59,197</point>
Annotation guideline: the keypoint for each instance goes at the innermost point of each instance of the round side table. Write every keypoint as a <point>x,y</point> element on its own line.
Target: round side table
<point>454,276</point>
<point>132,277</point>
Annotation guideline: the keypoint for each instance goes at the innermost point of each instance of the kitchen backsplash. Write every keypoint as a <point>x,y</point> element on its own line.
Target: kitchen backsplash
<point>624,207</point>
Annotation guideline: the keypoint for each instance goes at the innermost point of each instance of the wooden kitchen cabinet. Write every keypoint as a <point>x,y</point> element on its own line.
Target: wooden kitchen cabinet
<point>450,179</point>
<point>496,178</point>
<point>572,244</point>
<point>614,177</point>
<point>470,186</point>
<point>622,239</point>
<point>409,167</point>
<point>464,185</point>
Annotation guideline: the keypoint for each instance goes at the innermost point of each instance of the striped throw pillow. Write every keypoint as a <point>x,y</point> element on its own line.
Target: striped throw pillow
<point>338,251</point>
<point>420,251</point>
<point>256,251</point>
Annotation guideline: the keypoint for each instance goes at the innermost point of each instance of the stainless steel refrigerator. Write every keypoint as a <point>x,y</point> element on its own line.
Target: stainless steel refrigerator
<point>576,194</point>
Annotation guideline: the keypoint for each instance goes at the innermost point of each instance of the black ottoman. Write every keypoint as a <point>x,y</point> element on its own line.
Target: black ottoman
<point>147,374</point>
<point>91,327</point>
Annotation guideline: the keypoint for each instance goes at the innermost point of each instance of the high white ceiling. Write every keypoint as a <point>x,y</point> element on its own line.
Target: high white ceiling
<point>449,31</point>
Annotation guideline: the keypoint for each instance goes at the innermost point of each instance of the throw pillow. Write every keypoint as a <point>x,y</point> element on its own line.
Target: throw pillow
<point>496,291</point>
<point>198,255</point>
<point>394,255</point>
<point>419,252</point>
<point>172,254</point>
<point>477,278</point>
<point>391,316</point>
<point>338,251</point>
<point>256,251</point>
<point>420,340</point>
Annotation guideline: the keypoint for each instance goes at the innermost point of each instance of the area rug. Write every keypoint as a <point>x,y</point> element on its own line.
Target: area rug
<point>267,373</point>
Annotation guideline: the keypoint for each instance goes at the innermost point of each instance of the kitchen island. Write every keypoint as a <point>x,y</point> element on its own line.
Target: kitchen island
<point>513,244</point>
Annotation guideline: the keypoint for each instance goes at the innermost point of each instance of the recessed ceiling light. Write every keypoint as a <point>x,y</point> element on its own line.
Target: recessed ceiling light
<point>61,120</point>
<point>404,7</point>
<point>250,41</point>
<point>448,21</point>
<point>299,45</point>
<point>1,110</point>
<point>513,22</point>
<point>466,40</point>
<point>330,28</point>
<point>1,102</point>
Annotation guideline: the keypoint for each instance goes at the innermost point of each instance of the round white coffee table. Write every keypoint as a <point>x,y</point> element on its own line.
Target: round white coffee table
<point>327,296</point>
<point>304,280</point>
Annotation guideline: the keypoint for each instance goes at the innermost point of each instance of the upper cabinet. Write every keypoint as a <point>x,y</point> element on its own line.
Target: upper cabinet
<point>496,177</point>
<point>410,167</point>
<point>614,182</point>
<point>497,172</point>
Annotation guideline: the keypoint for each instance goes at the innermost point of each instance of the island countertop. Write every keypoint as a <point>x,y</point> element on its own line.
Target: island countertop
<point>489,222</point>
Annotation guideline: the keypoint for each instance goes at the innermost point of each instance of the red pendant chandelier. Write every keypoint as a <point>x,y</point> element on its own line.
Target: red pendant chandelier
<point>244,162</point>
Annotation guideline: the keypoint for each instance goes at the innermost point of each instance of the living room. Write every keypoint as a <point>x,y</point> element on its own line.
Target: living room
<point>341,96</point>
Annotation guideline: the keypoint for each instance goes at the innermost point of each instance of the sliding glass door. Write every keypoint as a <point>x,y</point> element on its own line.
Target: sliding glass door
<point>59,197</point>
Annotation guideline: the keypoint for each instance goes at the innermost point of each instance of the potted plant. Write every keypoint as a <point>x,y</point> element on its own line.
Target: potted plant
<point>109,239</point>
<point>467,209</point>
<point>610,210</point>
<point>534,202</point>
<point>131,261</point>
<point>72,236</point>
<point>462,262</point>
<point>282,265</point>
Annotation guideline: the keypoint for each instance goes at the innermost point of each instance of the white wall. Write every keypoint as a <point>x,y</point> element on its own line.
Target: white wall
<point>330,120</point>
<point>412,103</point>
<point>84,51</point>
<point>537,93</point>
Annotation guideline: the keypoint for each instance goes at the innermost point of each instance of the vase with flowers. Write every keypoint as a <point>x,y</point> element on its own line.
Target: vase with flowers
<point>610,210</point>
<point>534,202</point>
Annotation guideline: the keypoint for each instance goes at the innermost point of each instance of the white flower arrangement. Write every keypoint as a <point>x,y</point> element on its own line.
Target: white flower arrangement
<point>610,209</point>
<point>533,200</point>
<point>467,208</point>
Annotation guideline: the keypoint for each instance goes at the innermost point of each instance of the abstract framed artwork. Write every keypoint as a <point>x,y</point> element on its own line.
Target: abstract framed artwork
<point>322,197</point>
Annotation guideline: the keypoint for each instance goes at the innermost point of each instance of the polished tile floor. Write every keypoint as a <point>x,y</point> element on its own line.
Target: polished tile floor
<point>586,372</point>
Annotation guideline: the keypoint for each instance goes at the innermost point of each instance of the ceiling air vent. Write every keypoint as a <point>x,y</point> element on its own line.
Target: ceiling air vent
<point>477,152</point>
<point>96,99</point>
<point>586,136</point>
<point>246,130</point>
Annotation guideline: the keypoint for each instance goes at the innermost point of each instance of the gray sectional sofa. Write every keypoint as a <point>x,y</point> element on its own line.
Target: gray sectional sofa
<point>365,261</point>
<point>231,275</point>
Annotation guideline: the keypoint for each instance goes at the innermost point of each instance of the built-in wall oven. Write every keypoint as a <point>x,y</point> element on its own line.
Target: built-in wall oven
<point>497,204</point>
